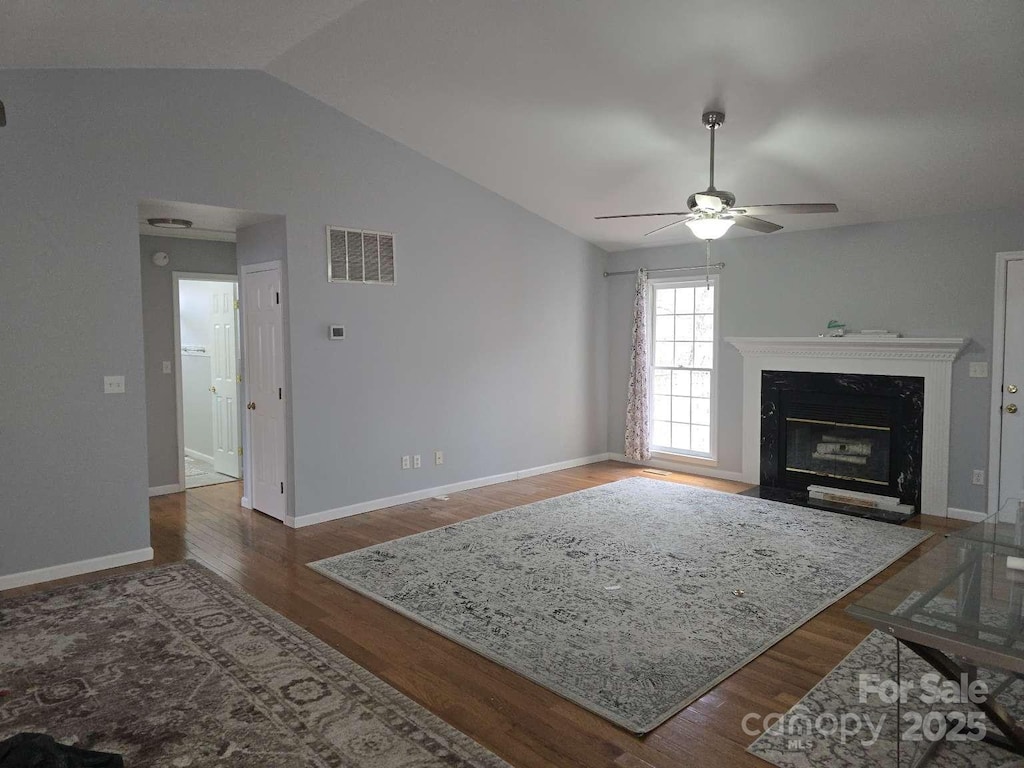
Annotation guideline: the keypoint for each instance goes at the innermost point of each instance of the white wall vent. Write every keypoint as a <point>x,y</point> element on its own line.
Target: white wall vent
<point>360,256</point>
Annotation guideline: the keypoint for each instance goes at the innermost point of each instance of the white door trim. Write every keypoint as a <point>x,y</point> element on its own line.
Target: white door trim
<point>248,269</point>
<point>995,432</point>
<point>179,407</point>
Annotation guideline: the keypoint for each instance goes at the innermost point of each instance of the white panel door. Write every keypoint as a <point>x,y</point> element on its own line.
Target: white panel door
<point>224,379</point>
<point>1011,469</point>
<point>264,383</point>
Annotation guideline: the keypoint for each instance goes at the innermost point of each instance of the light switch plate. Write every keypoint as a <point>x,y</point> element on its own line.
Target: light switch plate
<point>167,366</point>
<point>113,385</point>
<point>979,370</point>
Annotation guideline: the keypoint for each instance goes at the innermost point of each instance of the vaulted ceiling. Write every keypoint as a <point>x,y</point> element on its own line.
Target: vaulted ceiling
<point>576,108</point>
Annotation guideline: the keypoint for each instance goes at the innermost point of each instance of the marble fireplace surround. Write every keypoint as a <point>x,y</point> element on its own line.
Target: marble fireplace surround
<point>931,359</point>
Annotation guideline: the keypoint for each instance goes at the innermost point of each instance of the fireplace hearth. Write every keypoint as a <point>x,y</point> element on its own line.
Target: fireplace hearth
<point>858,432</point>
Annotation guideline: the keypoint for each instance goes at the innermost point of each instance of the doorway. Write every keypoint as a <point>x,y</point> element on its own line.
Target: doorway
<point>206,323</point>
<point>1006,446</point>
<point>217,413</point>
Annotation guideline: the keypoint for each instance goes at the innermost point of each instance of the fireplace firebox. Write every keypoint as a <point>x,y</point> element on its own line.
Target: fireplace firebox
<point>850,431</point>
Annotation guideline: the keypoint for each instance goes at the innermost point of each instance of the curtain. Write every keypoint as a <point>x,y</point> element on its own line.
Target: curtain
<point>638,417</point>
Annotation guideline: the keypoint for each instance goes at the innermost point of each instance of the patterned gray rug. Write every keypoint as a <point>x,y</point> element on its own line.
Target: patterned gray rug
<point>173,667</point>
<point>621,597</point>
<point>805,736</point>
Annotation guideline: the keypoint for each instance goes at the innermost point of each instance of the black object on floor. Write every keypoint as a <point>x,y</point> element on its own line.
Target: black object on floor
<point>802,499</point>
<point>37,750</point>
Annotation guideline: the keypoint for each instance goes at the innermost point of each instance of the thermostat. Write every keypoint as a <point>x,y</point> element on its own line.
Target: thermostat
<point>337,332</point>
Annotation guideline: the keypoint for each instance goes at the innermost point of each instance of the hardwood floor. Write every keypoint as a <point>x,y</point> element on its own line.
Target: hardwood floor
<point>523,723</point>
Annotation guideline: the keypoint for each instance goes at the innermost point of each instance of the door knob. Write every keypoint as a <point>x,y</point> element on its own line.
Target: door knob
<point>1011,408</point>
<point>1012,389</point>
<point>213,389</point>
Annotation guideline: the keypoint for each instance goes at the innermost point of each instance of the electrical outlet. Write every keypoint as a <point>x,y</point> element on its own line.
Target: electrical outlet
<point>113,385</point>
<point>438,458</point>
<point>167,366</point>
<point>978,477</point>
<point>978,370</point>
<point>417,462</point>
<point>405,462</point>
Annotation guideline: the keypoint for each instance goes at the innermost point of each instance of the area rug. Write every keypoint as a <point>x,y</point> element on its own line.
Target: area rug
<point>173,667</point>
<point>843,723</point>
<point>631,599</point>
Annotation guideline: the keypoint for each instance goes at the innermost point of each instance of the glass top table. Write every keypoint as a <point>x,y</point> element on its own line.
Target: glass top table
<point>959,607</point>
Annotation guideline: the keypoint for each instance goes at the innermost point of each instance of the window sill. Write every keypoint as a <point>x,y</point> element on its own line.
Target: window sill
<point>680,458</point>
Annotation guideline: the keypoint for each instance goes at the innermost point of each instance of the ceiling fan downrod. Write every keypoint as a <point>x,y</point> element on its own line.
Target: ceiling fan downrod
<point>711,121</point>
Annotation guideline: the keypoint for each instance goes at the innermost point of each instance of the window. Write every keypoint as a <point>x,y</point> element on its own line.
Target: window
<point>683,367</point>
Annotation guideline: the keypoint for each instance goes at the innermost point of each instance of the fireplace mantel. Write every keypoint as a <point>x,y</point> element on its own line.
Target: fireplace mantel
<point>855,346</point>
<point>931,359</point>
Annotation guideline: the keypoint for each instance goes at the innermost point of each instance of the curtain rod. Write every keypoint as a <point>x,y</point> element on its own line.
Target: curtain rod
<point>719,266</point>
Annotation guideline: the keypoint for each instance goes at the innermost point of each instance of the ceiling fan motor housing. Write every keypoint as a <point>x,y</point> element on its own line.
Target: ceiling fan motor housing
<point>728,198</point>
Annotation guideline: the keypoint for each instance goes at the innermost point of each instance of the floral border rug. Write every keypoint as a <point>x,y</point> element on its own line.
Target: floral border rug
<point>173,667</point>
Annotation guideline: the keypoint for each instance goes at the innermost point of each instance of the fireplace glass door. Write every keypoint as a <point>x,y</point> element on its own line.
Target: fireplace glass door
<point>844,451</point>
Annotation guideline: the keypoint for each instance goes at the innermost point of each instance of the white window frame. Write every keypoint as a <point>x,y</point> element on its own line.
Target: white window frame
<point>688,457</point>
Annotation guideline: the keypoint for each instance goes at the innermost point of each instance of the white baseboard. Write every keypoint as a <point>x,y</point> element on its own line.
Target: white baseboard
<point>965,514</point>
<point>405,498</point>
<point>163,490</point>
<point>245,502</point>
<point>53,572</point>
<point>198,456</point>
<point>683,467</point>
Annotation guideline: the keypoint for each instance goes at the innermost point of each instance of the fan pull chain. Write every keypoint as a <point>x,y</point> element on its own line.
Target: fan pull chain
<point>707,263</point>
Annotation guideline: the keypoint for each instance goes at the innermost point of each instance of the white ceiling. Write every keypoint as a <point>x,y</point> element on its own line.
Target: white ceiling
<point>229,34</point>
<point>209,222</point>
<point>577,108</point>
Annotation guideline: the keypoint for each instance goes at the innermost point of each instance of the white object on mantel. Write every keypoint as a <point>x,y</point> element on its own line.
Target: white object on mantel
<point>931,359</point>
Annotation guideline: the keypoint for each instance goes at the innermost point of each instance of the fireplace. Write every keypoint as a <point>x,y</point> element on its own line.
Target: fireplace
<point>859,432</point>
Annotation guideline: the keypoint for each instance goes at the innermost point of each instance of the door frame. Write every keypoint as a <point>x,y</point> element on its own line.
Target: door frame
<point>248,269</point>
<point>179,406</point>
<point>995,434</point>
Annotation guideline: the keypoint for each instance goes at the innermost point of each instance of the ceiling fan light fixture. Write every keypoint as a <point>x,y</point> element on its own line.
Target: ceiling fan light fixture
<point>170,223</point>
<point>710,228</point>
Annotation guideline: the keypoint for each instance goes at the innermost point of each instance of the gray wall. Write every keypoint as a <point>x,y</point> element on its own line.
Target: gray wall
<point>924,277</point>
<point>492,345</point>
<point>158,335</point>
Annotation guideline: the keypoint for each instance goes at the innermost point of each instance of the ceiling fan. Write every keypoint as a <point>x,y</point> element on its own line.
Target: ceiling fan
<point>712,212</point>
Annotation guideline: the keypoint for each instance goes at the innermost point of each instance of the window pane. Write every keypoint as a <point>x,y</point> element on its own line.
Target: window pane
<point>700,382</point>
<point>701,410</point>
<point>684,301</point>
<point>703,327</point>
<point>680,382</point>
<point>705,300</point>
<point>681,437</point>
<point>661,433</point>
<point>664,354</point>
<point>703,354</point>
<point>684,354</point>
<point>664,301</point>
<point>684,328</point>
<point>700,439</point>
<point>664,329</point>
<point>662,382</point>
<point>681,409</point>
<point>663,407</point>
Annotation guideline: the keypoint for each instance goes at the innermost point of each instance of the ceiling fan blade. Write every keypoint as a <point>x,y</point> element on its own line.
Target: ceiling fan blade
<point>709,203</point>
<point>768,210</point>
<point>641,215</point>
<point>758,225</point>
<point>668,226</point>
